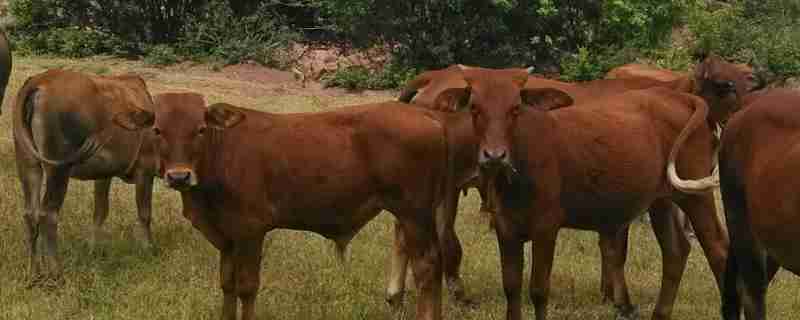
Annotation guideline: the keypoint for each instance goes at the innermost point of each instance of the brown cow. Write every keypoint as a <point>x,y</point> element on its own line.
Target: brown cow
<point>5,65</point>
<point>243,173</point>
<point>63,127</point>
<point>425,88</point>
<point>592,167</point>
<point>723,85</point>
<point>638,70</point>
<point>758,163</point>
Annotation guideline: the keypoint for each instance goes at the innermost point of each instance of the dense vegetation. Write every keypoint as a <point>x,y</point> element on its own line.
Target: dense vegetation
<point>580,40</point>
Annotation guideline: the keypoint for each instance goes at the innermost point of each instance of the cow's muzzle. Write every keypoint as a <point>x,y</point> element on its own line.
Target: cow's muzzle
<point>493,158</point>
<point>180,178</point>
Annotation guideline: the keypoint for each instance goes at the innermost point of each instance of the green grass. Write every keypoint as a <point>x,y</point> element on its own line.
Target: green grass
<point>301,277</point>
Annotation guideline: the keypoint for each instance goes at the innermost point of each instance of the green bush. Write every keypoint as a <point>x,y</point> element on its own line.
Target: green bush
<point>161,55</point>
<point>223,36</point>
<point>71,42</point>
<point>764,33</point>
<point>359,77</point>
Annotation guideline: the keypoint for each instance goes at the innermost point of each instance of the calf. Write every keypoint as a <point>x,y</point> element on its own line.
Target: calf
<point>592,167</point>
<point>758,166</point>
<point>242,173</point>
<point>64,127</point>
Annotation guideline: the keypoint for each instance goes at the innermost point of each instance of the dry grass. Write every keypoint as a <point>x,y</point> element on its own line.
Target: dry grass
<point>301,278</point>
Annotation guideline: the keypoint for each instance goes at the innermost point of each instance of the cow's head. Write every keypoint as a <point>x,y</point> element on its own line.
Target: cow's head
<point>723,84</point>
<point>182,126</point>
<point>496,99</point>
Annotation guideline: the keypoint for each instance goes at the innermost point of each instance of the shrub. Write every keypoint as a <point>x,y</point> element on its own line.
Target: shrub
<point>220,35</point>
<point>161,55</point>
<point>360,77</point>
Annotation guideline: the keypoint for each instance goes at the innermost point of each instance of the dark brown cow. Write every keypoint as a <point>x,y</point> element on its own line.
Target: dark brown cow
<point>425,88</point>
<point>592,167</point>
<point>243,173</point>
<point>758,170</point>
<point>5,65</point>
<point>64,127</point>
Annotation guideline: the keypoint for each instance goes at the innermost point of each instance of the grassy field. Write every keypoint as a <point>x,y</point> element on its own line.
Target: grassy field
<point>301,277</point>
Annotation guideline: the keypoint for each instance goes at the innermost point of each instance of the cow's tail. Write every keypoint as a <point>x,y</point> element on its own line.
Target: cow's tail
<point>24,108</point>
<point>734,203</point>
<point>702,185</point>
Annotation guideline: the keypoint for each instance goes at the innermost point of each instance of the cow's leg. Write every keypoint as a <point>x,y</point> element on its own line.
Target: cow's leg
<point>541,268</point>
<point>772,268</point>
<point>56,189</point>
<point>30,176</point>
<point>511,263</point>
<point>227,278</point>
<point>670,233</point>
<point>711,234</point>
<point>620,244</point>
<point>423,248</point>
<point>395,291</point>
<point>248,275</point>
<point>102,188</point>
<point>452,252</point>
<point>144,197</point>
<point>615,261</point>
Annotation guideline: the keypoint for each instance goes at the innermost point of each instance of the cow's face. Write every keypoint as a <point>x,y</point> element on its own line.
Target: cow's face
<point>182,128</point>
<point>496,99</point>
<point>723,84</point>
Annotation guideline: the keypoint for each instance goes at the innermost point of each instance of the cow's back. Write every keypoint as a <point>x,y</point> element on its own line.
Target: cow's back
<point>307,169</point>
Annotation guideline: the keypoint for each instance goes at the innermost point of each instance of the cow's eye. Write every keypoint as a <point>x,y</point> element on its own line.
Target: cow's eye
<point>515,111</point>
<point>201,130</point>
<point>156,131</point>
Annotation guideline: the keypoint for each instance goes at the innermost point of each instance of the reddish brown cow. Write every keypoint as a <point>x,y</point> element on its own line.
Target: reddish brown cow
<point>425,88</point>
<point>638,70</point>
<point>64,128</point>
<point>243,173</point>
<point>592,167</point>
<point>758,164</point>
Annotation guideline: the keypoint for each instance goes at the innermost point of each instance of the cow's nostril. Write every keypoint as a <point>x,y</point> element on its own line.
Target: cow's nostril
<point>179,177</point>
<point>501,156</point>
<point>487,154</point>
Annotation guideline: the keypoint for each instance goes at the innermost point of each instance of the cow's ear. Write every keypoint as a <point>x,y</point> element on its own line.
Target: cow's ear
<point>452,99</point>
<point>223,116</point>
<point>135,120</point>
<point>545,98</point>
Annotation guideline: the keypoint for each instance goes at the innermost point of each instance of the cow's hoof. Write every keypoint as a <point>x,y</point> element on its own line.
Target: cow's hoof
<point>456,288</point>
<point>627,313</point>
<point>395,300</point>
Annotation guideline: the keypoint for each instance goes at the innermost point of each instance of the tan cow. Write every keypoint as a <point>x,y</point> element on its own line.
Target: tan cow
<point>328,172</point>
<point>64,127</point>
<point>592,167</point>
<point>758,167</point>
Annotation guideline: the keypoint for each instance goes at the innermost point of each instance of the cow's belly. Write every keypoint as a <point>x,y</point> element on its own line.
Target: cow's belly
<point>103,165</point>
<point>334,221</point>
<point>604,218</point>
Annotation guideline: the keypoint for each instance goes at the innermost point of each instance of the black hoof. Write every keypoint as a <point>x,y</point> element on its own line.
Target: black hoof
<point>626,313</point>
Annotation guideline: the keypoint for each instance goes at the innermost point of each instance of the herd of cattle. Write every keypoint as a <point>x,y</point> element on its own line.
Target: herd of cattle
<point>544,155</point>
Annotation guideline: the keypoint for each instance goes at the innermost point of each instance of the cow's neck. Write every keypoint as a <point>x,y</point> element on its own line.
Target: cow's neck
<point>535,138</point>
